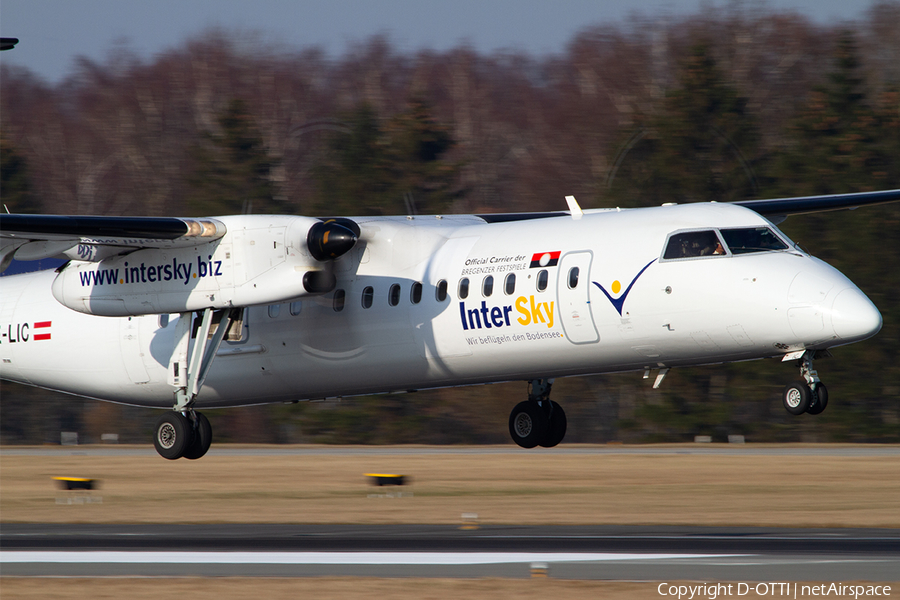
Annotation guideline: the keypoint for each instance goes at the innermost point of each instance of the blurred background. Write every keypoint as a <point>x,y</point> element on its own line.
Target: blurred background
<point>740,101</point>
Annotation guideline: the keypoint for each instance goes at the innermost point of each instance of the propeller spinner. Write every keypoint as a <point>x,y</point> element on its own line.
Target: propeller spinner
<point>328,241</point>
<point>331,239</point>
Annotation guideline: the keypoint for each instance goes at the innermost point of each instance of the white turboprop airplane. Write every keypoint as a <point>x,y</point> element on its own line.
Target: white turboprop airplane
<point>187,314</point>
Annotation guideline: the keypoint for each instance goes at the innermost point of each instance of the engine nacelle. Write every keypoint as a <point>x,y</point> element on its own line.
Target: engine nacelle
<point>261,260</point>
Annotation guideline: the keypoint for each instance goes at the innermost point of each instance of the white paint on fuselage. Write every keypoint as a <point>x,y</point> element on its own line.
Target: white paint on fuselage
<point>676,313</point>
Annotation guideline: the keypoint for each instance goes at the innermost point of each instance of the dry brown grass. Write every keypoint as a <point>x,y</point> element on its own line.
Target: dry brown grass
<point>526,488</point>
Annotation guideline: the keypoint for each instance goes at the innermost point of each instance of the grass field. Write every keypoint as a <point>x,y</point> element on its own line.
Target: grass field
<point>515,488</point>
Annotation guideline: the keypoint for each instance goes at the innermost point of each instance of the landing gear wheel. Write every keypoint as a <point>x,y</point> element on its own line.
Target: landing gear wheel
<point>173,435</point>
<point>528,424</point>
<point>821,400</point>
<point>202,438</point>
<point>796,397</point>
<point>557,429</point>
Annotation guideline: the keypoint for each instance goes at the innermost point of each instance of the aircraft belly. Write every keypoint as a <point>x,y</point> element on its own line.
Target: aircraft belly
<point>317,354</point>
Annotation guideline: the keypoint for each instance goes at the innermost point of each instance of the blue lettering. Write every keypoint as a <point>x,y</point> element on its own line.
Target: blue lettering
<point>484,313</point>
<point>474,312</point>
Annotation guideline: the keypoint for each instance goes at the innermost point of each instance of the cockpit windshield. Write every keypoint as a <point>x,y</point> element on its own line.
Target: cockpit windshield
<point>752,239</point>
<point>691,244</point>
<point>723,242</point>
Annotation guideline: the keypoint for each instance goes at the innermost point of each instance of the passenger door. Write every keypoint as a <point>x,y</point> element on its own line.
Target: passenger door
<point>574,298</point>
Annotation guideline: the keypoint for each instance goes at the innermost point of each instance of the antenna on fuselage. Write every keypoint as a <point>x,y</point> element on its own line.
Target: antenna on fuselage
<point>574,209</point>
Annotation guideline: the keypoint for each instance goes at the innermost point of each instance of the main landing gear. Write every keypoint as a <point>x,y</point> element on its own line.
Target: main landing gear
<point>538,421</point>
<point>807,395</point>
<point>180,435</point>
<point>184,432</point>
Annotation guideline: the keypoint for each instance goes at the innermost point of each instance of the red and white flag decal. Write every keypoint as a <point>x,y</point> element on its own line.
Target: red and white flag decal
<point>44,327</point>
<point>545,259</point>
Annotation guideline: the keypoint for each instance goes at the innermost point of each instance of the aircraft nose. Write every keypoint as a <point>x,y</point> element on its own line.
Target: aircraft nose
<point>854,317</point>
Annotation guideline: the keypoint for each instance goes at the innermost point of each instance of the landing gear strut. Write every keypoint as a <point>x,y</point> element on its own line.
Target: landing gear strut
<point>808,395</point>
<point>538,421</point>
<point>185,432</point>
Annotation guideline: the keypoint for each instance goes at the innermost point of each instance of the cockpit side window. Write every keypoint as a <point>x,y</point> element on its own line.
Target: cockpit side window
<point>691,244</point>
<point>752,239</point>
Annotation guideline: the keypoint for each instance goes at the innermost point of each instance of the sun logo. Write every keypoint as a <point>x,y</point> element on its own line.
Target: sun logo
<point>616,287</point>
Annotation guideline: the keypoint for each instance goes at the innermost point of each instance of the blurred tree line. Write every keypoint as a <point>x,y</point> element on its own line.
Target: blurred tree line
<point>731,104</point>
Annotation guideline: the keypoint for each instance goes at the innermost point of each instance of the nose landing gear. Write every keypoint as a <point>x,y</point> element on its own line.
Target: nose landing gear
<point>538,421</point>
<point>808,395</point>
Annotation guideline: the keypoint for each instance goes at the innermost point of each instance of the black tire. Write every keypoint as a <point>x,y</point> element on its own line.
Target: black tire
<point>821,400</point>
<point>796,397</point>
<point>557,429</point>
<point>202,438</point>
<point>527,424</point>
<point>173,435</point>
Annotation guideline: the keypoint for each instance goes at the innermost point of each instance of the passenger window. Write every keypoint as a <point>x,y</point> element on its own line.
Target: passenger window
<point>367,296</point>
<point>690,244</point>
<point>339,300</point>
<point>573,278</point>
<point>163,321</point>
<point>752,239</point>
<point>440,293</point>
<point>296,307</point>
<point>542,279</point>
<point>510,286</point>
<point>274,310</point>
<point>415,293</point>
<point>487,287</point>
<point>463,288</point>
<point>394,295</point>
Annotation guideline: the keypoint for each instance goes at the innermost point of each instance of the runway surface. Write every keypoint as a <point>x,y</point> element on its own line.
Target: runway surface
<point>574,552</point>
<point>843,450</point>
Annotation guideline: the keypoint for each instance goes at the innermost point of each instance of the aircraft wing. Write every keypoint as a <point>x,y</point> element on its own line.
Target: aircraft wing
<point>778,210</point>
<point>33,237</point>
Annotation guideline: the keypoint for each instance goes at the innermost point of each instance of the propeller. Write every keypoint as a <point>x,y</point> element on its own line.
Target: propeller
<point>327,241</point>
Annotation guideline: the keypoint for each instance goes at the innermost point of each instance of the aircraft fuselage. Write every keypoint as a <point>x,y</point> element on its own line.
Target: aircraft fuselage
<point>604,293</point>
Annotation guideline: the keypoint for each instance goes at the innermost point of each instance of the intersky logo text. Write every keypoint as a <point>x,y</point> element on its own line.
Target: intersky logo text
<point>144,273</point>
<point>529,312</point>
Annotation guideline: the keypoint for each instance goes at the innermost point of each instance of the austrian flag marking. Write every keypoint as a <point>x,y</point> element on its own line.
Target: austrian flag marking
<point>544,259</point>
<point>43,327</point>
